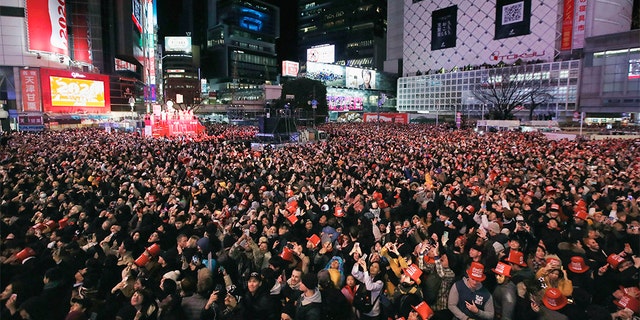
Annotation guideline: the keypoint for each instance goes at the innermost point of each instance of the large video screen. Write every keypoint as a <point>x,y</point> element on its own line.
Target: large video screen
<point>329,74</point>
<point>74,92</point>
<point>360,78</point>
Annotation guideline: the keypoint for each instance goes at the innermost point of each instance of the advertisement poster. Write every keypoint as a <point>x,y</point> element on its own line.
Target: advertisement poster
<point>567,25</point>
<point>443,28</point>
<point>387,117</point>
<point>360,78</point>
<point>31,95</point>
<point>47,26</point>
<point>74,92</point>
<point>513,18</point>
<point>81,37</point>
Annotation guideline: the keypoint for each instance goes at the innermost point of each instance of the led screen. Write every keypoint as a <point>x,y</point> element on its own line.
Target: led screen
<point>360,78</point>
<point>76,92</point>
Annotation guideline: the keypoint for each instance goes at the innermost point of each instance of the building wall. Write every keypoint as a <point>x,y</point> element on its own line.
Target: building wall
<point>395,21</point>
<point>453,91</point>
<point>475,43</point>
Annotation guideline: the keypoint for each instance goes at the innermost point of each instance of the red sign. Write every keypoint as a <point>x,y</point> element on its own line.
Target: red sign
<point>567,25</point>
<point>387,117</point>
<point>47,26</point>
<point>81,37</point>
<point>31,95</point>
<point>74,92</point>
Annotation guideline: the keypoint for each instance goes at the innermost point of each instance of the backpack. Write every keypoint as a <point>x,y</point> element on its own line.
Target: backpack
<point>362,299</point>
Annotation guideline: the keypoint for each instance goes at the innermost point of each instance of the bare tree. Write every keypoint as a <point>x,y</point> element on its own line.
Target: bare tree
<point>509,89</point>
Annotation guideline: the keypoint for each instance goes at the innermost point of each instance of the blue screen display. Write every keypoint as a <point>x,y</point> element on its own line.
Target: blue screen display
<point>251,19</point>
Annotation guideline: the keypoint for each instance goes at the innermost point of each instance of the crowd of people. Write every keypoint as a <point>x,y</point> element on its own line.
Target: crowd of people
<point>380,221</point>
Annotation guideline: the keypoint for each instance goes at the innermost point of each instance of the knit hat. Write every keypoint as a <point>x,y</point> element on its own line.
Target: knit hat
<point>310,280</point>
<point>494,227</point>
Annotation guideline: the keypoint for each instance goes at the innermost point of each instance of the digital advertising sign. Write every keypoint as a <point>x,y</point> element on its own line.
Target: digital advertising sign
<point>360,78</point>
<point>322,54</point>
<point>177,44</point>
<point>47,26</point>
<point>74,92</point>
<point>81,36</point>
<point>290,68</point>
<point>329,74</point>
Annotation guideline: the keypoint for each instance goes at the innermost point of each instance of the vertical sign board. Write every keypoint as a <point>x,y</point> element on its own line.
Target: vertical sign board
<point>579,23</point>
<point>444,28</point>
<point>47,26</point>
<point>81,35</point>
<point>31,94</point>
<point>567,25</point>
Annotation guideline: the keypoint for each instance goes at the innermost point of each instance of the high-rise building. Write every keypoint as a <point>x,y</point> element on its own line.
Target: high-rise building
<point>355,29</point>
<point>76,57</point>
<point>450,49</point>
<point>239,55</point>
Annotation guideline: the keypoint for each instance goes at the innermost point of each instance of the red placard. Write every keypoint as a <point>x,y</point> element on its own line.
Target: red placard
<point>31,95</point>
<point>567,25</point>
<point>64,91</point>
<point>47,26</point>
<point>387,117</point>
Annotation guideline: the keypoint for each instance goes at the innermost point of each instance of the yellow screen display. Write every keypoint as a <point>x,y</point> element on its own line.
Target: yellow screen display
<point>76,92</point>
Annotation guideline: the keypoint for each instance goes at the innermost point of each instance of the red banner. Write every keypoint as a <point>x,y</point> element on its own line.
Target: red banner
<point>387,117</point>
<point>31,95</point>
<point>74,92</point>
<point>567,25</point>
<point>81,37</point>
<point>47,26</point>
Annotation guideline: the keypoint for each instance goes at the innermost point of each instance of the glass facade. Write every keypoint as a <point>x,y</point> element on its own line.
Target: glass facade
<point>620,70</point>
<point>453,91</point>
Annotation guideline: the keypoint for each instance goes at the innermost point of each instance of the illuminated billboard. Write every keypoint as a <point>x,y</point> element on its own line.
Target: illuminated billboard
<point>329,74</point>
<point>255,19</point>
<point>322,54</point>
<point>47,26</point>
<point>360,78</point>
<point>136,14</point>
<point>74,92</point>
<point>177,44</point>
<point>290,68</point>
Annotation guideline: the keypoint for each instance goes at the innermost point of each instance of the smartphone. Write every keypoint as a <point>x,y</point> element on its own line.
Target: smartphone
<point>364,256</point>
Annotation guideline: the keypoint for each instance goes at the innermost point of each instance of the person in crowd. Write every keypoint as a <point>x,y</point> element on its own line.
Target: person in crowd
<point>83,203</point>
<point>468,298</point>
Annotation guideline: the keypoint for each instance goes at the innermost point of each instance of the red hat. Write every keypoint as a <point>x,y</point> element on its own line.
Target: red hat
<point>25,253</point>
<point>338,212</point>
<point>577,265</point>
<point>503,269</point>
<point>142,260</point>
<point>292,206</point>
<point>377,196</point>
<point>314,239</point>
<point>628,302</point>
<point>287,254</point>
<point>555,207</point>
<point>614,260</point>
<point>632,291</point>
<point>553,299</point>
<point>154,250</point>
<point>290,193</point>
<point>423,310</point>
<point>549,189</point>
<point>504,180</point>
<point>516,257</point>
<point>382,204</point>
<point>476,271</point>
<point>413,272</point>
<point>62,223</point>
<point>470,208</point>
<point>244,202</point>
<point>292,218</point>
<point>51,224</point>
<point>263,188</point>
<point>531,194</point>
<point>581,214</point>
